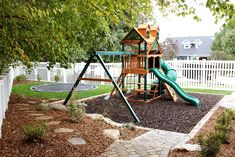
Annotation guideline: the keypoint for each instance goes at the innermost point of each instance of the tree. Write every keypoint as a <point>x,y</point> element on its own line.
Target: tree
<point>223,45</point>
<point>66,30</point>
<point>170,49</point>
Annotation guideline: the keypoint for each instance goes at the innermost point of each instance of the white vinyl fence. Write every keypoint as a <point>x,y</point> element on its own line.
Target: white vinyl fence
<point>6,80</point>
<point>219,75</point>
<point>204,74</point>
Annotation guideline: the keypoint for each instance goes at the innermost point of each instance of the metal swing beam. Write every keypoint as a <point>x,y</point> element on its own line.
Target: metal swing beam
<point>134,116</point>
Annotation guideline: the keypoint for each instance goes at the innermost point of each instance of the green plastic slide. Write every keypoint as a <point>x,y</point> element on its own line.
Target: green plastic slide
<point>195,101</point>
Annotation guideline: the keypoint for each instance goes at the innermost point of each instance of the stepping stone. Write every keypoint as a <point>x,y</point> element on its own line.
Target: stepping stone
<point>65,130</point>
<point>32,102</point>
<point>59,107</point>
<point>53,123</point>
<point>22,105</point>
<point>24,109</point>
<point>30,111</point>
<point>77,141</point>
<point>44,118</point>
<point>112,133</point>
<point>36,114</point>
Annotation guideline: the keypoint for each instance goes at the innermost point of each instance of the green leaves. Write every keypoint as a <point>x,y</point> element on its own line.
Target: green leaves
<point>224,40</point>
<point>66,30</point>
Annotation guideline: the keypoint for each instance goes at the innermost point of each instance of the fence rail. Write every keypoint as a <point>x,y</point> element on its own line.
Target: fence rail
<point>6,81</point>
<point>219,75</point>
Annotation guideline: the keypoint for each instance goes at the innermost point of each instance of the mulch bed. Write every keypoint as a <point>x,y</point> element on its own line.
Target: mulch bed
<point>179,116</point>
<point>13,142</point>
<point>227,150</point>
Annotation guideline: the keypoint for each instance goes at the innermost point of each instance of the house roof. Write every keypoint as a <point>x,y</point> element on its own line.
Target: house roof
<point>203,50</point>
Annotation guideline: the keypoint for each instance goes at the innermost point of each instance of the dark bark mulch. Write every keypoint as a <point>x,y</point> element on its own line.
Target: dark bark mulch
<point>179,116</point>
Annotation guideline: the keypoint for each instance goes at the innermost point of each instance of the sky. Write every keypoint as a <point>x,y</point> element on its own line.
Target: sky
<point>173,26</point>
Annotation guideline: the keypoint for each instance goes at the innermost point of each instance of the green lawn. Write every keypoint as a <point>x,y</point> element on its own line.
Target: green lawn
<point>25,89</point>
<point>222,92</point>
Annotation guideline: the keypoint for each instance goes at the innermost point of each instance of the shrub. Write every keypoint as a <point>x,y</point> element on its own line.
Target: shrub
<point>76,111</point>
<point>130,126</point>
<point>44,106</point>
<point>210,145</point>
<point>21,78</point>
<point>39,78</point>
<point>223,126</point>
<point>57,78</point>
<point>35,131</point>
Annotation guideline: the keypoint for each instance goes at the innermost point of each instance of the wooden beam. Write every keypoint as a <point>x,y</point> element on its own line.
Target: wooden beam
<point>96,79</point>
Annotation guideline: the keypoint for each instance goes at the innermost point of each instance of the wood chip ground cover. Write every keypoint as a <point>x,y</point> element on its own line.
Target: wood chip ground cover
<point>54,144</point>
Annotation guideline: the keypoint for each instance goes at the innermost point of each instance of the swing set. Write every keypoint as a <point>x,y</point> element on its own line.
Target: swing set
<point>141,57</point>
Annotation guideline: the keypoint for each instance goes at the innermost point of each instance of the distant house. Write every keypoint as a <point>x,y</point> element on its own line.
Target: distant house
<point>190,48</point>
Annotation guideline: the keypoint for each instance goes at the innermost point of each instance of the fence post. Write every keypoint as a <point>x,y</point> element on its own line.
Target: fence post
<point>48,75</point>
<point>35,74</point>
<point>203,72</point>
<point>64,75</point>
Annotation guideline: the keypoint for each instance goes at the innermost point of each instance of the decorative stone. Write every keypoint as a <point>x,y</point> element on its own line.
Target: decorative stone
<point>188,147</point>
<point>95,116</point>
<point>44,118</point>
<point>58,107</point>
<point>36,114</point>
<point>22,105</point>
<point>77,141</point>
<point>65,130</point>
<point>53,123</point>
<point>24,108</point>
<point>112,133</point>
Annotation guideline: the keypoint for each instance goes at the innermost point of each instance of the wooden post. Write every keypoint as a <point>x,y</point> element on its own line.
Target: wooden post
<point>146,68</point>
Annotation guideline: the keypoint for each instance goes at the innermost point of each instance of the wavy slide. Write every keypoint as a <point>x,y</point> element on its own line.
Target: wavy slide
<point>195,101</point>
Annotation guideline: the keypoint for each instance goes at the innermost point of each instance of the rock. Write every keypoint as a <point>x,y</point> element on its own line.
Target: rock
<point>77,141</point>
<point>22,105</point>
<point>95,116</point>
<point>24,109</point>
<point>36,114</point>
<point>59,107</point>
<point>112,133</point>
<point>44,118</point>
<point>53,123</point>
<point>65,130</point>
<point>188,147</point>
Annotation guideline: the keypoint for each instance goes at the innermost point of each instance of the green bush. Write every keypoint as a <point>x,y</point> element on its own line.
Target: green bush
<point>76,111</point>
<point>34,132</point>
<point>44,106</point>
<point>21,78</point>
<point>57,78</point>
<point>223,125</point>
<point>210,145</point>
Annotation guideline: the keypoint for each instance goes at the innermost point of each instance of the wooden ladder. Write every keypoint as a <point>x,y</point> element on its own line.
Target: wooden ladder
<point>119,82</point>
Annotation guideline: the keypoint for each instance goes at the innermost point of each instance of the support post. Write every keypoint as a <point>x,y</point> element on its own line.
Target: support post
<point>146,68</point>
<point>136,119</point>
<point>78,80</point>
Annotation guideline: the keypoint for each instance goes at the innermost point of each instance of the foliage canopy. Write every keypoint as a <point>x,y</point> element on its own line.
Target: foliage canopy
<point>65,30</point>
<point>223,46</point>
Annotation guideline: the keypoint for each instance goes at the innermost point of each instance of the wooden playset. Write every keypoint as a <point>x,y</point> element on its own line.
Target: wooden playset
<point>141,57</point>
